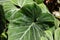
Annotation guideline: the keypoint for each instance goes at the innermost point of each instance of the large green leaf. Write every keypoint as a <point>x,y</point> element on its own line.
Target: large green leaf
<point>28,23</point>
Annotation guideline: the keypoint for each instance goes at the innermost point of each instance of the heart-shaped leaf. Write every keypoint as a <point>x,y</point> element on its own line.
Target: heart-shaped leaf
<point>28,23</point>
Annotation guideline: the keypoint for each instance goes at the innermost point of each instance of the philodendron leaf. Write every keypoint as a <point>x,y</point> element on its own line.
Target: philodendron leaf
<point>21,3</point>
<point>28,23</point>
<point>57,34</point>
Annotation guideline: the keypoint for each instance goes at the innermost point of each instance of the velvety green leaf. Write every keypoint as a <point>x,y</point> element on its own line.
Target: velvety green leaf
<point>27,23</point>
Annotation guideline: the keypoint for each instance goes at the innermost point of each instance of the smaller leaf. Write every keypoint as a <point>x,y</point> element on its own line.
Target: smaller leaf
<point>44,8</point>
<point>49,34</point>
<point>57,34</point>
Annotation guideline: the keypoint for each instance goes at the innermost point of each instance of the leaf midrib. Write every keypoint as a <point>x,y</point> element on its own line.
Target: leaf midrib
<point>26,31</point>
